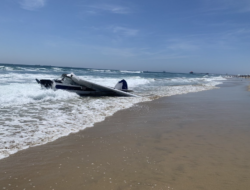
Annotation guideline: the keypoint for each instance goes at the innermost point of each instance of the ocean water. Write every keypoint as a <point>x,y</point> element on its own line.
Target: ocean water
<point>31,116</point>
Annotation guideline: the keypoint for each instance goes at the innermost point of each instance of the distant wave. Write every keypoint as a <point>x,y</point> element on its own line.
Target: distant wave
<point>122,71</point>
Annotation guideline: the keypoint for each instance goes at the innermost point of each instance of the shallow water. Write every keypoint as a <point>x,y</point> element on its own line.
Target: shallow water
<point>31,116</point>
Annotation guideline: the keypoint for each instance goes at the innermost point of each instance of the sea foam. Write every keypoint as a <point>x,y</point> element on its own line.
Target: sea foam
<point>31,116</point>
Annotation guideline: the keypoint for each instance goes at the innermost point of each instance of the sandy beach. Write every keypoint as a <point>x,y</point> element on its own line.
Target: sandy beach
<point>196,141</point>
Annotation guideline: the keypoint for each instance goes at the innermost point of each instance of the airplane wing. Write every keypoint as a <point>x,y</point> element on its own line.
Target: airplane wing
<point>99,88</point>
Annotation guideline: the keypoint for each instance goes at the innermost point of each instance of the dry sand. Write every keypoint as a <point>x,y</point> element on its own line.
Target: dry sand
<point>186,142</point>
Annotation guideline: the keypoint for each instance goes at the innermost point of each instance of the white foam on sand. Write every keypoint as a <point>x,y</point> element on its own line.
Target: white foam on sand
<point>30,116</point>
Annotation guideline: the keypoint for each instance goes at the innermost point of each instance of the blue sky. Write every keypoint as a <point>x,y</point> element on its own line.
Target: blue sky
<point>170,35</point>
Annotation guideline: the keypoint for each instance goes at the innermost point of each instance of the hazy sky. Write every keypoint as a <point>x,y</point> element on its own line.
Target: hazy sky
<point>170,35</point>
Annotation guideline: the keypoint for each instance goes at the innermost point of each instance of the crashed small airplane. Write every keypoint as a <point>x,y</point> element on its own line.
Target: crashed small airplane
<point>72,83</point>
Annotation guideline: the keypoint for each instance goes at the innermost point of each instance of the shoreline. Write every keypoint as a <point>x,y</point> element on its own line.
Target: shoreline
<point>19,143</point>
<point>179,142</point>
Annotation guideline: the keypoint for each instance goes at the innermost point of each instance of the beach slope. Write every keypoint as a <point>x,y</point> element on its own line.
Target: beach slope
<point>184,142</point>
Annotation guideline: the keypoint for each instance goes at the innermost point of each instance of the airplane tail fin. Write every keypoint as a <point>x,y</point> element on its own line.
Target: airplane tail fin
<point>121,85</point>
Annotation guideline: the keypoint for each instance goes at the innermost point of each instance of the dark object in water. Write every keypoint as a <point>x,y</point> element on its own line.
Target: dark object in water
<point>45,83</point>
<point>72,83</point>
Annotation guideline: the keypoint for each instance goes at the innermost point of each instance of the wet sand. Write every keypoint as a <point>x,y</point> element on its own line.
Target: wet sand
<point>186,142</point>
